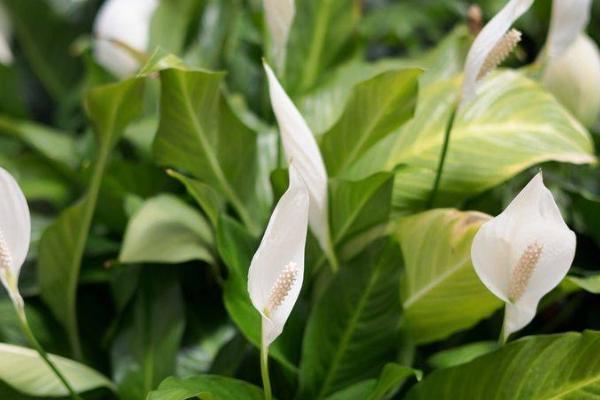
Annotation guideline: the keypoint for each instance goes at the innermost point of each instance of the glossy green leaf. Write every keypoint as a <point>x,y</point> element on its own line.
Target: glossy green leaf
<point>377,107</point>
<point>206,387</point>
<point>441,292</point>
<point>534,368</point>
<point>171,22</point>
<point>211,202</point>
<point>166,230</point>
<point>199,134</point>
<point>24,370</point>
<point>461,355</point>
<point>353,329</point>
<point>359,206</point>
<point>320,31</point>
<point>110,108</point>
<point>47,44</point>
<point>145,350</point>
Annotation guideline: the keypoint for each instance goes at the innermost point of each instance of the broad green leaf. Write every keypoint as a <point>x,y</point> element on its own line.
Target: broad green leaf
<point>110,108</point>
<point>320,32</point>
<point>353,329</point>
<point>206,197</point>
<point>56,146</point>
<point>46,44</point>
<point>170,23</point>
<point>145,351</point>
<point>358,206</point>
<point>441,292</point>
<point>236,247</point>
<point>206,387</point>
<point>391,379</point>
<point>360,390</point>
<point>461,355</point>
<point>167,230</point>
<point>512,125</point>
<point>534,368</point>
<point>377,107</point>
<point>199,134</point>
<point>590,284</point>
<point>24,370</point>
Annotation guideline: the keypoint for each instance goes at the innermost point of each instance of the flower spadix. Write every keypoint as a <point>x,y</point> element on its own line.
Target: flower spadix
<point>523,253</point>
<point>279,15</point>
<point>492,45</point>
<point>122,23</point>
<point>277,268</point>
<point>15,234</point>
<point>301,147</point>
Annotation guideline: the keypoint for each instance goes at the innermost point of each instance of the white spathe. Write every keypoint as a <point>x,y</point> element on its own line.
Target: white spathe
<point>6,55</point>
<point>574,79</point>
<point>301,148</point>
<point>15,232</point>
<point>527,249</point>
<point>125,21</point>
<point>569,19</point>
<point>279,15</point>
<point>485,42</point>
<point>282,245</point>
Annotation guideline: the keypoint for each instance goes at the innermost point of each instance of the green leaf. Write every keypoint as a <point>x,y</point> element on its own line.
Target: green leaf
<point>200,135</point>
<point>353,329</point>
<point>170,23</point>
<point>145,351</point>
<point>110,108</point>
<point>206,197</point>
<point>391,379</point>
<point>512,125</point>
<point>206,387</point>
<point>359,206</point>
<point>236,247</point>
<point>376,108</point>
<point>320,31</point>
<point>534,368</point>
<point>590,284</point>
<point>167,230</point>
<point>441,292</point>
<point>461,355</point>
<point>46,44</point>
<point>24,370</point>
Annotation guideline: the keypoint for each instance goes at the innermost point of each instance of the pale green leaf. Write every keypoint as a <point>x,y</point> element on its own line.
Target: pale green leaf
<point>206,387</point>
<point>441,292</point>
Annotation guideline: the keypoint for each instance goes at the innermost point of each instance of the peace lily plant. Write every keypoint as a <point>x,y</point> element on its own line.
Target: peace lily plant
<point>301,147</point>
<point>122,28</point>
<point>15,234</point>
<point>277,268</point>
<point>524,253</point>
<point>494,43</point>
<point>571,60</point>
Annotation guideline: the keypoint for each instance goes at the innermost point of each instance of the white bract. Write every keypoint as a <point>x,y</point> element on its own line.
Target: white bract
<point>277,268</point>
<point>6,56</point>
<point>301,148</point>
<point>572,61</point>
<point>492,46</point>
<point>126,22</point>
<point>15,234</point>
<point>569,19</point>
<point>524,253</point>
<point>279,16</point>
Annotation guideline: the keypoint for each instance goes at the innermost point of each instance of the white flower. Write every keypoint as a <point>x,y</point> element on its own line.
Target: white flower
<point>125,21</point>
<point>6,56</point>
<point>524,253</point>
<point>492,46</point>
<point>279,15</point>
<point>301,147</point>
<point>569,19</point>
<point>15,234</point>
<point>277,268</point>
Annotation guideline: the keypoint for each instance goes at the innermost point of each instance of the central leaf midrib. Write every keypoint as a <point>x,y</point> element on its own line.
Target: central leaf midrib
<point>350,328</point>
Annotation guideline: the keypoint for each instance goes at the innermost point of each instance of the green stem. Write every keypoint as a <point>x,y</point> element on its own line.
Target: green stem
<point>440,167</point>
<point>503,338</point>
<point>264,370</point>
<point>30,336</point>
